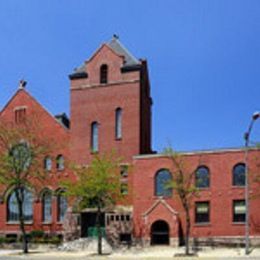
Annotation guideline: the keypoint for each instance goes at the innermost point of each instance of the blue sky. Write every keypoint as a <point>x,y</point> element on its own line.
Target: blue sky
<point>203,57</point>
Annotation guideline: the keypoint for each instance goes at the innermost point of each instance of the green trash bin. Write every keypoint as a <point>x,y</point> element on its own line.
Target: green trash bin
<point>93,232</point>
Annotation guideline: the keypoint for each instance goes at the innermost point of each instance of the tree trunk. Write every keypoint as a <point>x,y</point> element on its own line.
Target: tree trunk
<point>99,230</point>
<point>187,233</point>
<point>20,199</point>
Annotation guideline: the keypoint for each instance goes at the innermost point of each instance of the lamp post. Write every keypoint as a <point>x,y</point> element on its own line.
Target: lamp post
<point>255,116</point>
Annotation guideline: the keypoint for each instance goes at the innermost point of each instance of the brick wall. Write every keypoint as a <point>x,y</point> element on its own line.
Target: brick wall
<point>220,194</point>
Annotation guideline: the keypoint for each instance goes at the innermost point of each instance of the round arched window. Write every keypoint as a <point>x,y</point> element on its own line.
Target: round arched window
<point>162,183</point>
<point>12,205</point>
<point>202,177</point>
<point>239,176</point>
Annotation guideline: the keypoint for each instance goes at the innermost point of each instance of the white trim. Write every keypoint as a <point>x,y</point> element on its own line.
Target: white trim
<point>156,203</point>
<point>216,151</point>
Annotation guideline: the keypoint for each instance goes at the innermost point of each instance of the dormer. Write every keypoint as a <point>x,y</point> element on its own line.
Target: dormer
<point>108,65</point>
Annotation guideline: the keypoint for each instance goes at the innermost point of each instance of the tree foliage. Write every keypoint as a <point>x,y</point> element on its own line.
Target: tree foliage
<point>22,149</point>
<point>184,185</point>
<point>97,186</point>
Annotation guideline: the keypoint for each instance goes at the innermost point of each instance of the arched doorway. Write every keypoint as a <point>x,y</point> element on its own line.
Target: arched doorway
<point>160,233</point>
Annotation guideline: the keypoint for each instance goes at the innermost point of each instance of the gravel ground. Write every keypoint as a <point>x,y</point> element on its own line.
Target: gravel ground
<point>133,253</point>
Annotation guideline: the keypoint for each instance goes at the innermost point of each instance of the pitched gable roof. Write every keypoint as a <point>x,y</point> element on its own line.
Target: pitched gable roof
<point>155,205</point>
<point>115,45</point>
<point>119,48</point>
<point>23,91</point>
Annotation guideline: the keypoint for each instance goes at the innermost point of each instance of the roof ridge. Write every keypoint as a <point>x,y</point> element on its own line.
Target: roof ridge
<point>125,49</point>
<point>129,57</point>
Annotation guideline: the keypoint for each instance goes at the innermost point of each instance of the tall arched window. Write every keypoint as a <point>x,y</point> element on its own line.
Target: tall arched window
<point>47,206</point>
<point>21,155</point>
<point>47,163</point>
<point>103,74</point>
<point>12,206</point>
<point>202,177</point>
<point>94,137</point>
<point>60,162</point>
<point>239,176</point>
<point>162,180</point>
<point>118,123</point>
<point>62,205</point>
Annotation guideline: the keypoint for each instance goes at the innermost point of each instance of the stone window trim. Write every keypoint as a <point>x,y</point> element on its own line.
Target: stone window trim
<point>26,222</point>
<point>19,107</point>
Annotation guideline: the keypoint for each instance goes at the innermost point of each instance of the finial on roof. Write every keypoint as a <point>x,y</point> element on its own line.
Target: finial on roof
<point>115,36</point>
<point>22,84</point>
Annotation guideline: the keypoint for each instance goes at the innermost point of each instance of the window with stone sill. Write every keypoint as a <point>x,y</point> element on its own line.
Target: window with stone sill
<point>12,206</point>
<point>239,211</point>
<point>202,212</point>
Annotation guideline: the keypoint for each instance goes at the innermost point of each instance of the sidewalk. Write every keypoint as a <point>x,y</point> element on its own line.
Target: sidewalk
<point>159,252</point>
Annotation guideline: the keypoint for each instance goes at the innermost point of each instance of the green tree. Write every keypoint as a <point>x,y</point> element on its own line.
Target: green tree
<point>184,185</point>
<point>97,186</point>
<point>22,150</point>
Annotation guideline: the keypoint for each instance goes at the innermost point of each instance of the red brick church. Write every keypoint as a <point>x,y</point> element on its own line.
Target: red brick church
<point>110,108</point>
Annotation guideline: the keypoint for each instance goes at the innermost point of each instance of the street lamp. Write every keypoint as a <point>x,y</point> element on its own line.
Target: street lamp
<point>255,116</point>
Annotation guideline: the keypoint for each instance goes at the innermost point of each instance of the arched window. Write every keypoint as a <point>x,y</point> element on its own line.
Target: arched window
<point>118,123</point>
<point>103,74</point>
<point>62,205</point>
<point>239,176</point>
<point>60,162</point>
<point>202,177</point>
<point>12,205</point>
<point>162,179</point>
<point>94,137</point>
<point>47,206</point>
<point>47,163</point>
<point>22,156</point>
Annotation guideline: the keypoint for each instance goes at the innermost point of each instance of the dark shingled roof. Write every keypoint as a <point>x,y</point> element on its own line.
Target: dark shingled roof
<point>118,47</point>
<point>130,62</point>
